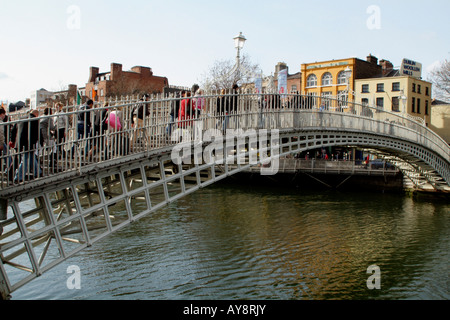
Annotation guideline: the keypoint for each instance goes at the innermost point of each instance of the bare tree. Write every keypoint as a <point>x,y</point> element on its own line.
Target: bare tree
<point>440,77</point>
<point>224,74</point>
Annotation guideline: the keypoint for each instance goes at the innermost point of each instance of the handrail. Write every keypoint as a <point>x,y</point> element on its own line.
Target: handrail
<point>74,147</point>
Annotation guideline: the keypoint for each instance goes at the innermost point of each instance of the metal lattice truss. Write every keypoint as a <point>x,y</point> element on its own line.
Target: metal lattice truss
<point>419,173</point>
<point>46,220</point>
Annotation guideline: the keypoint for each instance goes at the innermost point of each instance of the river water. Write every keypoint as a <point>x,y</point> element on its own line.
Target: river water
<point>231,242</point>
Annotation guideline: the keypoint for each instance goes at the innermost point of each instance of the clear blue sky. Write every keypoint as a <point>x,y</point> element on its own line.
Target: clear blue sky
<point>45,44</point>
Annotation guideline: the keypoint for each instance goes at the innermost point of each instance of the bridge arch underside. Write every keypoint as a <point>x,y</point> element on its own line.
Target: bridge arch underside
<point>47,224</point>
<point>422,166</point>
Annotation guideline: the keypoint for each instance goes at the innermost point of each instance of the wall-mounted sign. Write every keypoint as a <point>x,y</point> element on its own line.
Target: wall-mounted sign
<point>411,68</point>
<point>327,65</point>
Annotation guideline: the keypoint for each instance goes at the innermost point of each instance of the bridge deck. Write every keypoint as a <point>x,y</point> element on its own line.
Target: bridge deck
<point>65,146</point>
<point>99,180</point>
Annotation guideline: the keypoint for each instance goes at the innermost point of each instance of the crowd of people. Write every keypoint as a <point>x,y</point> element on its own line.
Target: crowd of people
<point>41,140</point>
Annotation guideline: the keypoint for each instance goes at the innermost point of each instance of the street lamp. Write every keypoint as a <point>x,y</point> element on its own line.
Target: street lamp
<point>404,99</point>
<point>239,42</point>
<point>347,74</point>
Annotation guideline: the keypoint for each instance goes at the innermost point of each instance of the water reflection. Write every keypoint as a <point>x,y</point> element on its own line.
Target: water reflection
<point>241,242</point>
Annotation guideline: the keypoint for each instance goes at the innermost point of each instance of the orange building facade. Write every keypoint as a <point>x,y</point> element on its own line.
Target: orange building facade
<point>332,79</point>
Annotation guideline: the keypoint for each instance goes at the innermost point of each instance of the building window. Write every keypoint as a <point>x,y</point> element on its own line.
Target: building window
<point>365,88</point>
<point>380,103</point>
<point>342,98</point>
<point>426,107</point>
<point>413,87</point>
<point>427,91</point>
<point>326,101</point>
<point>418,105</point>
<point>311,81</point>
<point>342,79</point>
<point>413,105</point>
<point>395,104</point>
<point>327,79</point>
<point>419,88</point>
<point>396,86</point>
<point>380,87</point>
<point>294,88</point>
<point>365,102</point>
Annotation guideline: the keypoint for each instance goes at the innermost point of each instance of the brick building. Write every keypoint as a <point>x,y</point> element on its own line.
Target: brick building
<point>138,80</point>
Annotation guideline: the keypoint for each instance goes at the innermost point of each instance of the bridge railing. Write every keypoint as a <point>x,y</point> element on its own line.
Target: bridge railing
<point>36,148</point>
<point>319,165</point>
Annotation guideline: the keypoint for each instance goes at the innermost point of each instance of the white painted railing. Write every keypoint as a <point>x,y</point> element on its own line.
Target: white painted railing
<point>65,145</point>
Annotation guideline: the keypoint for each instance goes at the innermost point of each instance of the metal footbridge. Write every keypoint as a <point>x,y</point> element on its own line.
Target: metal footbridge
<point>78,187</point>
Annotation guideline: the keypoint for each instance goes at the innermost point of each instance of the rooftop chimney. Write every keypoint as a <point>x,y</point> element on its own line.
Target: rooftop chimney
<point>116,71</point>
<point>144,71</point>
<point>386,66</point>
<point>372,59</point>
<point>93,72</point>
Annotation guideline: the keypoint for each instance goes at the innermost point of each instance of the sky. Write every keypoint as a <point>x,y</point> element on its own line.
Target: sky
<point>53,43</point>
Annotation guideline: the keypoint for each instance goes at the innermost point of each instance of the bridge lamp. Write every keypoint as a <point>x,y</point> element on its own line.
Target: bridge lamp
<point>347,74</point>
<point>404,99</point>
<point>239,42</point>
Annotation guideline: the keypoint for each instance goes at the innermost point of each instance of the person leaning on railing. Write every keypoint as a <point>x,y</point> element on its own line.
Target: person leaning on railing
<point>100,127</point>
<point>174,111</point>
<point>60,122</point>
<point>2,132</point>
<point>187,110</point>
<point>85,124</point>
<point>46,128</point>
<point>140,114</point>
<point>3,146</point>
<point>28,137</point>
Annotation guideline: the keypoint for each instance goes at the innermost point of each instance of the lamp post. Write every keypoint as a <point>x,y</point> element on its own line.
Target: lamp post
<point>234,73</point>
<point>344,98</point>
<point>404,98</point>
<point>239,42</point>
<point>348,73</point>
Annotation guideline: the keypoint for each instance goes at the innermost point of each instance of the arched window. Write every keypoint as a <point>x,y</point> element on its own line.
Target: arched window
<point>311,81</point>
<point>327,79</point>
<point>342,79</point>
